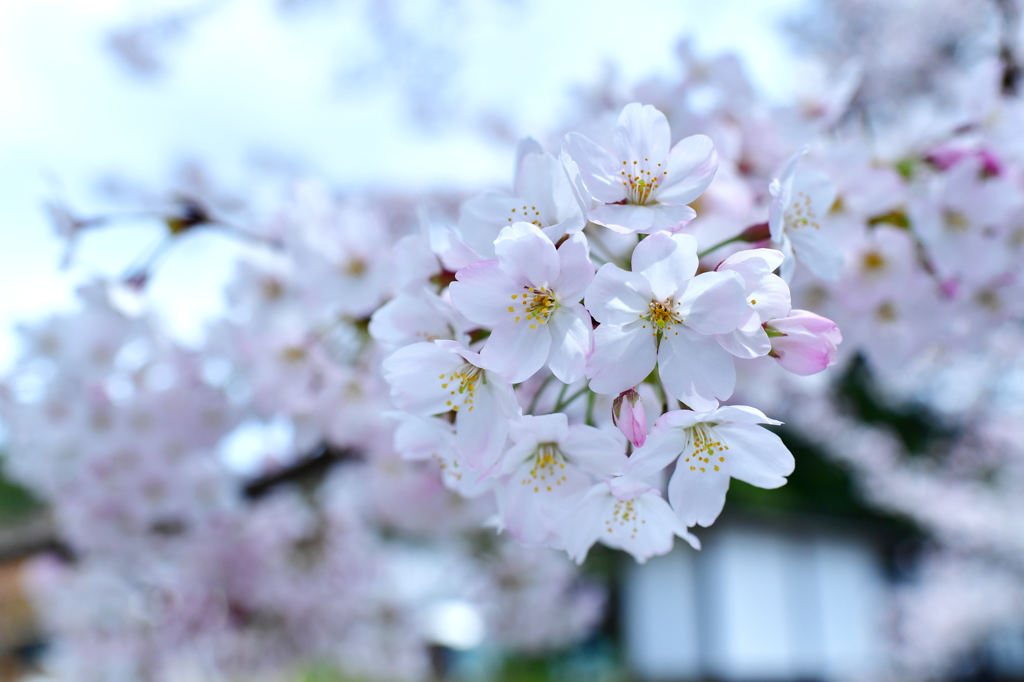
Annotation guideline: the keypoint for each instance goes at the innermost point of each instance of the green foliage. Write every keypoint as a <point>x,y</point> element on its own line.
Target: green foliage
<point>16,503</point>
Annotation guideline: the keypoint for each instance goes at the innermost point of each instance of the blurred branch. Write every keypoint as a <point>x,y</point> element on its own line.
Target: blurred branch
<point>1010,22</point>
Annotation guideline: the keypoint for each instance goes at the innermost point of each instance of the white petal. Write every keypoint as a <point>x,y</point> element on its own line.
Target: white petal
<point>532,504</point>
<point>817,253</point>
<point>411,318</point>
<point>526,254</point>
<point>658,452</point>
<point>623,218</point>
<point>692,165</point>
<point>483,292</point>
<point>771,299</point>
<point>517,350</point>
<point>650,532</point>
<point>694,366</point>
<point>756,455</point>
<point>671,217</point>
<point>545,428</point>
<point>817,186</point>
<point>576,270</point>
<point>698,496</point>
<point>598,168</point>
<point>416,373</point>
<point>581,527</point>
<point>749,340</point>
<point>480,432</point>
<point>622,357</point>
<point>666,261</point>
<point>738,414</point>
<point>713,302</point>
<point>642,134</point>
<point>618,297</point>
<point>596,451</point>
<point>571,343</point>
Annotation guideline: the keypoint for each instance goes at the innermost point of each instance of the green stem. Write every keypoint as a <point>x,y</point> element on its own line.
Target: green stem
<point>536,396</point>
<point>590,408</point>
<point>731,240</point>
<point>559,406</point>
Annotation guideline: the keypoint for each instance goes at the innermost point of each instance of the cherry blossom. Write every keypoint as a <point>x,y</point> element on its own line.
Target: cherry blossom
<point>530,296</point>
<point>663,312</point>
<point>636,520</point>
<point>710,448</point>
<point>644,186</point>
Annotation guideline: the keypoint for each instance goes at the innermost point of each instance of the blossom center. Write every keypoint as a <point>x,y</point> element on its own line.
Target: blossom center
<point>538,303</point>
<point>640,183</point>
<point>705,449</point>
<point>461,385</point>
<point>663,315</point>
<point>526,215</point>
<point>625,518</point>
<point>801,213</point>
<point>548,468</point>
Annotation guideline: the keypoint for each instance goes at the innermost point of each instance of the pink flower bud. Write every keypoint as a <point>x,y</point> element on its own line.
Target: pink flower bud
<point>628,415</point>
<point>804,343</point>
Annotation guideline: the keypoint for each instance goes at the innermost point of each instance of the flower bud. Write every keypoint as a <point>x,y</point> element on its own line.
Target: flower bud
<point>804,343</point>
<point>628,415</point>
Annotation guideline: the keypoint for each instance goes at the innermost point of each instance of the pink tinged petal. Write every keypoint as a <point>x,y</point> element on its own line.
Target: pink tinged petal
<point>483,292</point>
<point>692,165</point>
<point>713,303</point>
<point>695,368</point>
<point>598,169</point>
<point>595,451</point>
<point>629,417</point>
<point>618,297</point>
<point>658,452</point>
<point>622,357</point>
<point>416,373</point>
<point>666,261</point>
<point>623,218</point>
<point>670,218</point>
<point>642,134</point>
<point>571,343</point>
<point>517,350</point>
<point>755,455</point>
<point>481,432</point>
<point>749,340</point>
<point>697,492</point>
<point>575,269</point>
<point>805,353</point>
<point>526,254</point>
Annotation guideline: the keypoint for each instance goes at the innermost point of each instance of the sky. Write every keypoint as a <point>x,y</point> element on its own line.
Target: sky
<point>249,82</point>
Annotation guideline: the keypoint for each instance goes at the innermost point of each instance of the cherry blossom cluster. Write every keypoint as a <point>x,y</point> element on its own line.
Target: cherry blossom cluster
<point>576,303</point>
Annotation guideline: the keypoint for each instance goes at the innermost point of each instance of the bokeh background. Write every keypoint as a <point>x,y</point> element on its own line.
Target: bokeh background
<point>116,105</point>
